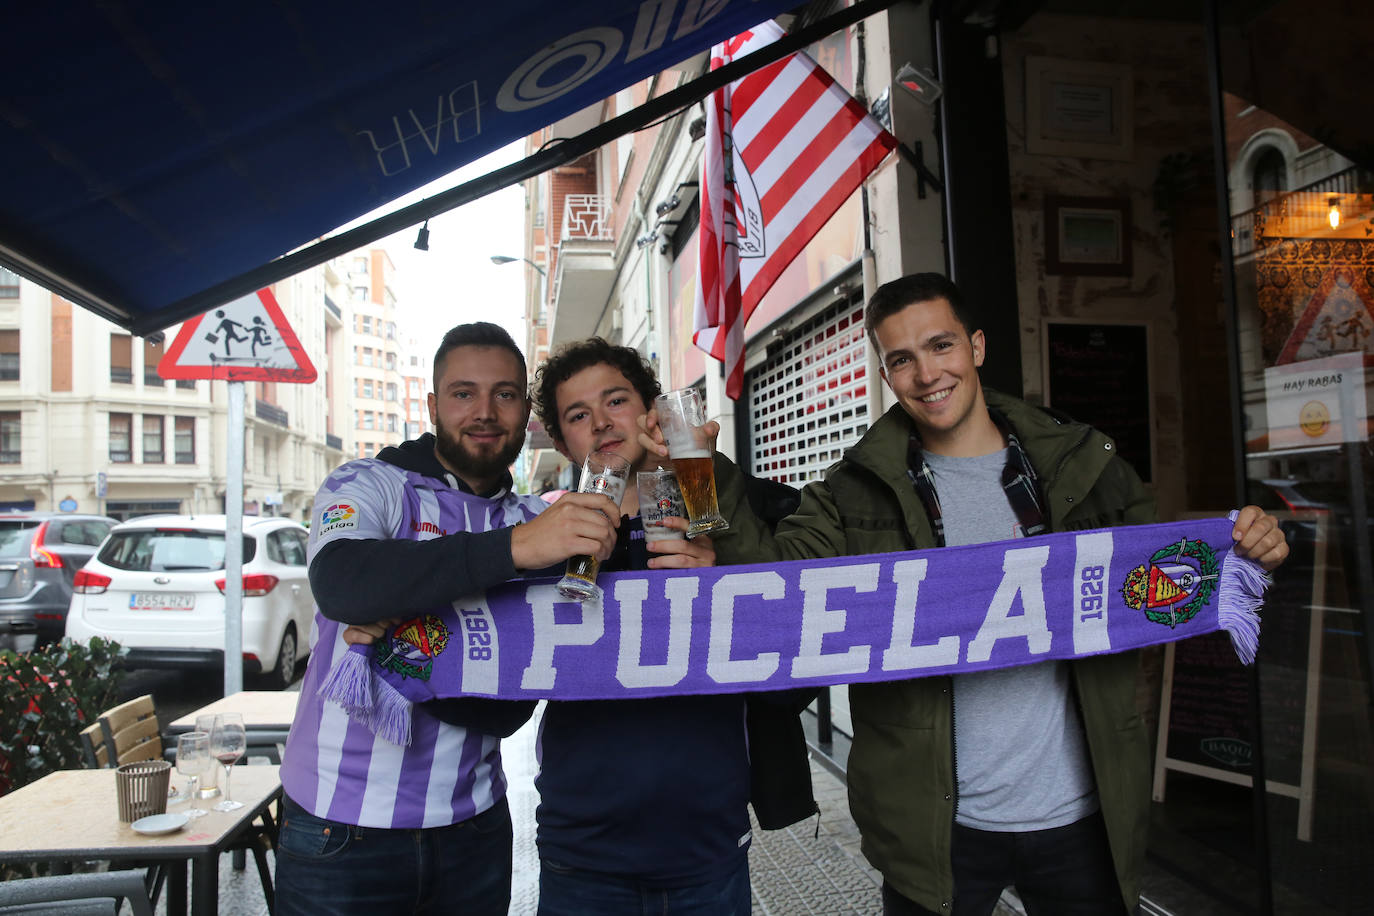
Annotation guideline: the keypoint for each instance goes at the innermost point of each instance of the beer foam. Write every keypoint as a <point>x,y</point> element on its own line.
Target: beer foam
<point>690,453</point>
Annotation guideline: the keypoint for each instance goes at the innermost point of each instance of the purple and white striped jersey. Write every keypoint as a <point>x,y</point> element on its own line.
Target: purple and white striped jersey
<point>336,768</point>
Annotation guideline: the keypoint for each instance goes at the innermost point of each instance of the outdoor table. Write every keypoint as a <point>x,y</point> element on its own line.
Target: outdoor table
<point>267,716</point>
<point>263,711</point>
<point>72,816</point>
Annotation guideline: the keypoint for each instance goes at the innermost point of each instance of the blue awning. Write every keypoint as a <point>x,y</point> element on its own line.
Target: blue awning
<point>151,152</point>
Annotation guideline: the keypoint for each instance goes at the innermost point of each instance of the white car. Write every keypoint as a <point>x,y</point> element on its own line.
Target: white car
<point>157,586</point>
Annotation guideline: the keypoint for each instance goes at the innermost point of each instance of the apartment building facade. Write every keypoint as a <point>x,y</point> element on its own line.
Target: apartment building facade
<point>87,424</point>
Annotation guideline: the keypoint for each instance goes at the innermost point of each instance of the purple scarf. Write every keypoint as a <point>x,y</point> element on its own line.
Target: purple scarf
<point>808,623</point>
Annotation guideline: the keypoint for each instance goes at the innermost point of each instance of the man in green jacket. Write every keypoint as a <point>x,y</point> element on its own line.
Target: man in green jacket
<point>1044,784</point>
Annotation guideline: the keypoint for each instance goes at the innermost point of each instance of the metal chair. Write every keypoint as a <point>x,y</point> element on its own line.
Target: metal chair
<point>65,895</point>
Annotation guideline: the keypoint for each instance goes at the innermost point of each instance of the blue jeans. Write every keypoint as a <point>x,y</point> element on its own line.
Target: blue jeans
<point>325,868</point>
<point>565,891</point>
<point>1063,871</point>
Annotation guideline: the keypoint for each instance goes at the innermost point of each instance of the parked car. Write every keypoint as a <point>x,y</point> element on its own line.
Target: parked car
<point>157,587</point>
<point>40,553</point>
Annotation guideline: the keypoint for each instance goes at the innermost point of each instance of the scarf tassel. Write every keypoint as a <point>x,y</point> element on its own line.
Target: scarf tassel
<point>367,698</point>
<point>349,683</point>
<point>1243,582</point>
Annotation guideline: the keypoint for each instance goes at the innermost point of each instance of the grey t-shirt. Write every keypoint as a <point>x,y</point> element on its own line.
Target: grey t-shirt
<point>1020,756</point>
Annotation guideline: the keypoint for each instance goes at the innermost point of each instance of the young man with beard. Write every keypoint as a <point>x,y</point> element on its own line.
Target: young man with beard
<point>1045,782</point>
<point>369,826</point>
<point>643,802</point>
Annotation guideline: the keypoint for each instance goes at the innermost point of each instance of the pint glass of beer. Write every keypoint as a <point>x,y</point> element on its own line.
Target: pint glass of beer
<point>680,417</point>
<point>605,473</point>
<point>659,497</point>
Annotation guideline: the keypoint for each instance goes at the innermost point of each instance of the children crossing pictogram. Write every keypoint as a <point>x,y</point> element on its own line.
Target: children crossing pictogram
<point>248,339</point>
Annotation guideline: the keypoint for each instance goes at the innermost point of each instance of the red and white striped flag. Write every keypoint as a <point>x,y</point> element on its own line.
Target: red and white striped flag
<point>785,147</point>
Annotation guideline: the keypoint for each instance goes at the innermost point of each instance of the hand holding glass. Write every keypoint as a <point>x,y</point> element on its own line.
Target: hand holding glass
<point>228,742</point>
<point>193,758</point>
<point>659,497</point>
<point>681,419</point>
<point>605,473</point>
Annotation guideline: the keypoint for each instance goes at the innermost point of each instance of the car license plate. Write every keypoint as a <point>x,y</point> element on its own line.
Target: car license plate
<point>161,601</point>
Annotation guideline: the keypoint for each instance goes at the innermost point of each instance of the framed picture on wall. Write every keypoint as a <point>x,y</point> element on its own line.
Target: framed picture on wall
<point>1088,236</point>
<point>1079,108</point>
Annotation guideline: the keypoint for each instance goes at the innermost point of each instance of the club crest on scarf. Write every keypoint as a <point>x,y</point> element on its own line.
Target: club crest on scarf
<point>1175,584</point>
<point>412,647</point>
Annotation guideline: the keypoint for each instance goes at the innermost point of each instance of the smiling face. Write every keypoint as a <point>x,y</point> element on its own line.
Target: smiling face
<point>479,410</point>
<point>930,361</point>
<point>597,410</point>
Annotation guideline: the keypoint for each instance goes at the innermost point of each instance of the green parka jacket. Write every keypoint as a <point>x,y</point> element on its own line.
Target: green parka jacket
<point>901,766</point>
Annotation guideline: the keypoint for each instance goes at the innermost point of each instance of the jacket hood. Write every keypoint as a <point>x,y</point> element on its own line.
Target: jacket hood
<point>417,455</point>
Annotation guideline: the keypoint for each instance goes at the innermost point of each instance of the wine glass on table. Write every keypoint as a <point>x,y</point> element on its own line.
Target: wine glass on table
<point>193,757</point>
<point>228,742</point>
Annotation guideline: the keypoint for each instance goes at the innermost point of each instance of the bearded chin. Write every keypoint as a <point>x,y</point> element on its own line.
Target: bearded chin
<point>466,464</point>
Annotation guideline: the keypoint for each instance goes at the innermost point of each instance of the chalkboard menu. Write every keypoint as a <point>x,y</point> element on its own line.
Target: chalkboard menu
<point>1099,374</point>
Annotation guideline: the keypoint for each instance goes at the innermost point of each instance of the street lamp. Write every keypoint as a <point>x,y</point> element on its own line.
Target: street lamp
<point>543,277</point>
<point>506,259</point>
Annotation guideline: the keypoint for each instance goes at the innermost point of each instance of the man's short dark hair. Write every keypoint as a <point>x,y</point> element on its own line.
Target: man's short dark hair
<point>895,295</point>
<point>571,359</point>
<point>476,334</point>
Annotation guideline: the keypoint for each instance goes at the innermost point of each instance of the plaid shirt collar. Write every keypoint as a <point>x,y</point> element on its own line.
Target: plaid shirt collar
<point>1018,482</point>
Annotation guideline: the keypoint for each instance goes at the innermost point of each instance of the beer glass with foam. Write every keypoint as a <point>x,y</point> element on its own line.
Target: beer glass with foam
<point>681,418</point>
<point>605,473</point>
<point>659,497</point>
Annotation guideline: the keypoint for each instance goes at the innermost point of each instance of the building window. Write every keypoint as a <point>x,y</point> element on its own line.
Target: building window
<point>391,423</point>
<point>391,330</point>
<point>11,425</point>
<point>361,294</point>
<point>9,284</point>
<point>152,439</point>
<point>367,387</point>
<point>9,355</point>
<point>367,356</point>
<point>368,421</point>
<point>152,355</point>
<point>360,264</point>
<point>122,359</point>
<point>121,437</point>
<point>391,393</point>
<point>185,441</point>
<point>367,324</point>
<point>391,361</point>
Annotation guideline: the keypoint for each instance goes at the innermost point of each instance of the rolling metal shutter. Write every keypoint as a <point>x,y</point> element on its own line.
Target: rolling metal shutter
<point>808,401</point>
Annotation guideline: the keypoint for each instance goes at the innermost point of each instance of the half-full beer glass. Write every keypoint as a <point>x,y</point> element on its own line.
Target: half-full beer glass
<point>605,473</point>
<point>680,417</point>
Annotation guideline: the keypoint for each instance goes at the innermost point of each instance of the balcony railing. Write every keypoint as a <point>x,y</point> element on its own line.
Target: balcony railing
<point>271,413</point>
<point>1304,212</point>
<point>586,217</point>
<point>329,304</point>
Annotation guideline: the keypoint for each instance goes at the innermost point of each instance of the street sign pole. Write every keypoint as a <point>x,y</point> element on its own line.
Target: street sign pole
<point>233,546</point>
<point>247,339</point>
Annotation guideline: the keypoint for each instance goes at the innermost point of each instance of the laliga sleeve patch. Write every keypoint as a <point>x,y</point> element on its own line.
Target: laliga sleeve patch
<point>341,516</point>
